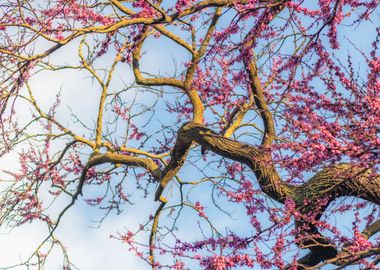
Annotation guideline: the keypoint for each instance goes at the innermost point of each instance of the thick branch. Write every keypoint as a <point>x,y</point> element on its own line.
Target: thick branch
<point>372,229</point>
<point>255,83</point>
<point>235,119</point>
<point>340,180</point>
<point>258,94</point>
<point>267,176</point>
<point>313,198</point>
<point>177,158</point>
<point>115,158</point>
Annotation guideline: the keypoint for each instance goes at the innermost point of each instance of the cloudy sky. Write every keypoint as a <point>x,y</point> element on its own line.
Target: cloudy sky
<point>89,247</point>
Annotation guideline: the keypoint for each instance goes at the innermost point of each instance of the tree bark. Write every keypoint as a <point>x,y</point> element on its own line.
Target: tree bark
<point>311,198</point>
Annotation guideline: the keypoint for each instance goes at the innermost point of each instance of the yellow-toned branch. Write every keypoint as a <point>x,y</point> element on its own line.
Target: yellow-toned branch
<point>235,119</point>
<point>198,107</point>
<point>115,158</point>
<point>149,81</point>
<point>153,233</point>
<point>261,104</point>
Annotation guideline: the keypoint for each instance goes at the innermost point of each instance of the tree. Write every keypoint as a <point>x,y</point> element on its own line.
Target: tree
<point>261,111</point>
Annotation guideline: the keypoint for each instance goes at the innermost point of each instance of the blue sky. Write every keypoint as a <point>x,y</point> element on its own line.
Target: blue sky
<point>92,248</point>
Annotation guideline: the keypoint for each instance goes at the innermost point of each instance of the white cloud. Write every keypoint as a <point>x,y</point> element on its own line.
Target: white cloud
<point>88,248</point>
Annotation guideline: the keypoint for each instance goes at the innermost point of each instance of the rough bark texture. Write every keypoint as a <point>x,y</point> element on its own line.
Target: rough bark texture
<point>311,198</point>
<point>262,84</point>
